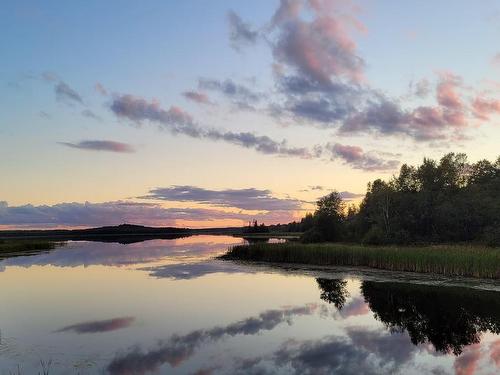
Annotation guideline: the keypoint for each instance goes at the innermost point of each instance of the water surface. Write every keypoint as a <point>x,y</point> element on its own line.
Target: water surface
<point>166,306</point>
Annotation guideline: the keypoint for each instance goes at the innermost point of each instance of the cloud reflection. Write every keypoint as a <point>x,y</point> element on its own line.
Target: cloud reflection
<point>111,254</point>
<point>178,349</point>
<point>187,271</point>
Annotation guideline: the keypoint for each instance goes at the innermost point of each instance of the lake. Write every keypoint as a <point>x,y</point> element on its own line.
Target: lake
<point>167,306</point>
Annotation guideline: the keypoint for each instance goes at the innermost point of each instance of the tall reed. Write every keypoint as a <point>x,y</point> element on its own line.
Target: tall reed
<point>451,260</point>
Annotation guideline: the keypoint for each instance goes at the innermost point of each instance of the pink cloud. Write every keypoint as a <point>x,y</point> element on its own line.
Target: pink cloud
<point>483,107</point>
<point>197,97</point>
<point>466,364</point>
<point>495,352</point>
<point>359,159</point>
<point>321,48</point>
<point>355,308</point>
<point>447,91</point>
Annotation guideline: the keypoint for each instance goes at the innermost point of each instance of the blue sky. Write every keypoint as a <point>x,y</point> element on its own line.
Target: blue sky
<point>368,58</point>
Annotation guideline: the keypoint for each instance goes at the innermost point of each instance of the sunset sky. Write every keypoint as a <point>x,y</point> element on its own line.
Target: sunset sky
<point>213,113</point>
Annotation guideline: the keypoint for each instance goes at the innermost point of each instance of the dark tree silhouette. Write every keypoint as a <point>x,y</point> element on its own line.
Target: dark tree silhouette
<point>333,291</point>
<point>447,317</point>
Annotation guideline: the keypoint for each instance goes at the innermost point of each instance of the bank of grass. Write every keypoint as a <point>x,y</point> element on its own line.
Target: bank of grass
<point>279,235</point>
<point>24,247</point>
<point>450,260</point>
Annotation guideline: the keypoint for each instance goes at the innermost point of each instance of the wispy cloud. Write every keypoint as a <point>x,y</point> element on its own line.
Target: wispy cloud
<point>89,114</point>
<point>247,199</point>
<point>101,145</point>
<point>64,93</point>
<point>197,97</point>
<point>178,121</point>
<point>358,159</point>
<point>101,89</point>
<point>44,115</point>
<point>240,33</point>
<point>240,95</point>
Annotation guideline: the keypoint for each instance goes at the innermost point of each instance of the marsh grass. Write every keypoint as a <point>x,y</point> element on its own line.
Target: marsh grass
<point>450,260</point>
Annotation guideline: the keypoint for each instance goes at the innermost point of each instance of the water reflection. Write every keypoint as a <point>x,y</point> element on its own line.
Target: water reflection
<point>86,254</point>
<point>449,318</point>
<point>166,306</point>
<point>187,271</point>
<point>178,349</point>
<point>333,291</point>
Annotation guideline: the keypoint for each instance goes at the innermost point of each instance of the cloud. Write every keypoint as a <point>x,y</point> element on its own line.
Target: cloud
<point>496,60</point>
<point>178,349</point>
<point>317,187</point>
<point>262,143</point>
<point>64,93</point>
<point>484,107</point>
<point>88,113</point>
<point>247,199</point>
<point>99,326</point>
<point>138,109</point>
<point>44,115</point>
<point>49,77</point>
<point>101,145</point>
<point>241,95</point>
<point>240,33</point>
<point>447,92</point>
<point>119,212</point>
<point>319,48</point>
<point>319,77</point>
<point>421,88</point>
<point>197,97</point>
<point>425,123</point>
<point>178,121</point>
<point>101,89</point>
<point>288,10</point>
<point>347,195</point>
<point>358,159</point>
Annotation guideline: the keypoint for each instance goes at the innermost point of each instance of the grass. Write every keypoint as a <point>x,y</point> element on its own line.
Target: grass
<point>450,260</point>
<point>25,247</point>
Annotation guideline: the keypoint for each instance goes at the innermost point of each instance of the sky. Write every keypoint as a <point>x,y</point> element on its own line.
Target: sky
<point>214,113</point>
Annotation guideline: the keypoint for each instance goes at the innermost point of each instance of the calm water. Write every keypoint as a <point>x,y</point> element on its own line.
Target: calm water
<point>164,306</point>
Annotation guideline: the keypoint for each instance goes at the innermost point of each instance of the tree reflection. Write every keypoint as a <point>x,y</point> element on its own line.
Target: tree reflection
<point>449,318</point>
<point>333,291</point>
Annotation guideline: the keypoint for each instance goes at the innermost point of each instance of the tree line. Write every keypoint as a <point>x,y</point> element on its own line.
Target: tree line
<point>450,200</point>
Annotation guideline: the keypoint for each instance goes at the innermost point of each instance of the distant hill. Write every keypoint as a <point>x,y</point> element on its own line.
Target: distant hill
<point>124,233</point>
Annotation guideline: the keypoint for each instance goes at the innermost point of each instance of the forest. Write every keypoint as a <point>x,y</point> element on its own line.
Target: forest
<point>445,201</point>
